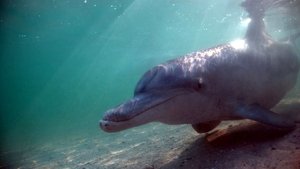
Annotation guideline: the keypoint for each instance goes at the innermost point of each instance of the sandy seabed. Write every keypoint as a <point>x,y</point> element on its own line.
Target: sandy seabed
<point>232,145</point>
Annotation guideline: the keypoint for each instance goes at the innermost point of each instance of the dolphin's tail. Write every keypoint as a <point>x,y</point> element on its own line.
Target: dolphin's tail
<point>257,8</point>
<point>256,33</point>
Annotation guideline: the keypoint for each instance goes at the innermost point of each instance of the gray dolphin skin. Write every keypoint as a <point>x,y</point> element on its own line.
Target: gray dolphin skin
<point>243,79</point>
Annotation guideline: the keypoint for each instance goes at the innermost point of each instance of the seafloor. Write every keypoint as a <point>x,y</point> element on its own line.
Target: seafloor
<point>240,144</point>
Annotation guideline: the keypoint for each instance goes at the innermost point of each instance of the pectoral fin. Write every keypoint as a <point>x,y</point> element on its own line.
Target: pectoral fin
<point>260,114</point>
<point>205,127</point>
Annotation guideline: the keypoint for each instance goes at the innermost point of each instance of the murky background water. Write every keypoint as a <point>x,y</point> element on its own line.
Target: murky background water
<point>63,63</point>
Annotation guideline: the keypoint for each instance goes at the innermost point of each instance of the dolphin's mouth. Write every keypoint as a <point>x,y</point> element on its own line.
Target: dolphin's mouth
<point>133,108</point>
<point>126,111</point>
<point>114,117</point>
<point>138,105</point>
<point>123,116</point>
<point>134,112</point>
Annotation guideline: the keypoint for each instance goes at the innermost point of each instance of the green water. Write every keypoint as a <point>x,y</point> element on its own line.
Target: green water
<point>63,63</point>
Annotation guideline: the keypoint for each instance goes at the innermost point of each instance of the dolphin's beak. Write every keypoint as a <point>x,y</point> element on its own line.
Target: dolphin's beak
<point>125,115</point>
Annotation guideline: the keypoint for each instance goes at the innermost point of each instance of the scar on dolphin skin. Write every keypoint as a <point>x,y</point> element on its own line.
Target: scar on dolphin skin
<point>242,79</point>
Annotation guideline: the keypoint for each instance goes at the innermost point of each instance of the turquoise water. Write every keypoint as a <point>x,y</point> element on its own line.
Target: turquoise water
<point>63,63</point>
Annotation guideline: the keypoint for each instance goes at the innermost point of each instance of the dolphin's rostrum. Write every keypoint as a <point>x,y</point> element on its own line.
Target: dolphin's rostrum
<point>238,80</point>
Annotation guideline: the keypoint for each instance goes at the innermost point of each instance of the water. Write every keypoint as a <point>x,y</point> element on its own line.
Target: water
<point>63,63</point>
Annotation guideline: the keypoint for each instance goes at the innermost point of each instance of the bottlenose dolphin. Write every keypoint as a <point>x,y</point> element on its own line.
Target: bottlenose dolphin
<point>243,79</point>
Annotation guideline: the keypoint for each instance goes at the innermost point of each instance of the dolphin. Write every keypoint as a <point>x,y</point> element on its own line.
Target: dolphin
<point>242,79</point>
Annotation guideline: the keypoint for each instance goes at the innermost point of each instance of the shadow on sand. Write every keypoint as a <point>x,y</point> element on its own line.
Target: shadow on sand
<point>245,145</point>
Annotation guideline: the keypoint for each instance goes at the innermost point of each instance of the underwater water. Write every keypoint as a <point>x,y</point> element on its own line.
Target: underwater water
<point>63,63</point>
